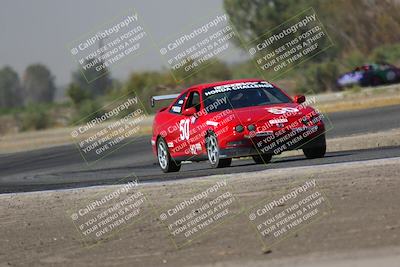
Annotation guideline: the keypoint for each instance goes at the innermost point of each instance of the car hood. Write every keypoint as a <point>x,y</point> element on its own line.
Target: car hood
<point>263,114</point>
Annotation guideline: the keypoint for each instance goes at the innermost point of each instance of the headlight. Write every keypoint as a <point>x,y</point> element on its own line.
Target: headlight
<point>239,128</point>
<point>305,120</point>
<point>251,127</point>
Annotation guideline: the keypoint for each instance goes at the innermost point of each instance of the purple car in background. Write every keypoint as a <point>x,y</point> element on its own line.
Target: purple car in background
<point>370,75</point>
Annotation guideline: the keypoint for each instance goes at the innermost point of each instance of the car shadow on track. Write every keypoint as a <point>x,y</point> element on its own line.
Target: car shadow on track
<point>303,158</point>
<point>249,166</point>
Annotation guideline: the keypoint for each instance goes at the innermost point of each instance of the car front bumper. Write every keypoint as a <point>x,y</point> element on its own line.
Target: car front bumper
<point>313,136</point>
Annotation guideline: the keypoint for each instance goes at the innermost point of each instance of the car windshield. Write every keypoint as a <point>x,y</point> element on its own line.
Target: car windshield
<point>240,95</point>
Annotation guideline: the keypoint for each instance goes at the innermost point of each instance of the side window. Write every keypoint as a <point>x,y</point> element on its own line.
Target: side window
<point>193,101</point>
<point>177,106</point>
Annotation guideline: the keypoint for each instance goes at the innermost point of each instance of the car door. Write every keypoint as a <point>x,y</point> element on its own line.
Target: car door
<point>191,125</point>
<point>173,128</point>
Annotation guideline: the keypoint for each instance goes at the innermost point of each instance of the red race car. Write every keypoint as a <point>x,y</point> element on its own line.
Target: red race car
<point>232,119</point>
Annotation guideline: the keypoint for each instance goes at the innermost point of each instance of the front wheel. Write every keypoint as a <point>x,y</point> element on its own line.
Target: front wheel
<point>167,164</point>
<point>213,153</point>
<point>314,152</point>
<point>264,158</point>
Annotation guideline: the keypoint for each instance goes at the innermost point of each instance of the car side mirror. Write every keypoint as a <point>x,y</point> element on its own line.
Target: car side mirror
<point>189,111</point>
<point>299,99</point>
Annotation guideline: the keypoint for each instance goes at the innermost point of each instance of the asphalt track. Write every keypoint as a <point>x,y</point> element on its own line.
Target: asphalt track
<point>62,167</point>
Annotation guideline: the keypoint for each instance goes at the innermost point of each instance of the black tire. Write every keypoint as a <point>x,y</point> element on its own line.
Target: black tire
<point>213,152</point>
<point>262,159</point>
<point>165,161</point>
<point>314,152</point>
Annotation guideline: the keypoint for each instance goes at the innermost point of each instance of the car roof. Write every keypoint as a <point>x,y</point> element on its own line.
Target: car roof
<point>208,85</point>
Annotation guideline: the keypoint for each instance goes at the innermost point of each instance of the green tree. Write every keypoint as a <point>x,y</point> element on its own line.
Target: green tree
<point>353,24</point>
<point>38,84</point>
<point>95,83</point>
<point>148,83</point>
<point>208,71</point>
<point>77,94</point>
<point>253,18</point>
<point>10,88</point>
<point>141,82</point>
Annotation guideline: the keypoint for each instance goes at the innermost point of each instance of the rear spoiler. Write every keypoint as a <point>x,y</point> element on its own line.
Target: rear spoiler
<point>153,99</point>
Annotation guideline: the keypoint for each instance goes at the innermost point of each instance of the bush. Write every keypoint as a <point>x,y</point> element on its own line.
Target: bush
<point>87,111</point>
<point>320,77</point>
<point>352,60</point>
<point>77,94</point>
<point>245,70</point>
<point>35,117</point>
<point>387,53</point>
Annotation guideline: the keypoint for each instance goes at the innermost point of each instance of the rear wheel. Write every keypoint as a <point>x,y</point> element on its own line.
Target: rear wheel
<point>167,164</point>
<point>213,153</point>
<point>316,148</point>
<point>260,159</point>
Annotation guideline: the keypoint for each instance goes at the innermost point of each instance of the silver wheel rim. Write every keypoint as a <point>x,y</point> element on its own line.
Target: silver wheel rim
<point>162,155</point>
<point>212,149</point>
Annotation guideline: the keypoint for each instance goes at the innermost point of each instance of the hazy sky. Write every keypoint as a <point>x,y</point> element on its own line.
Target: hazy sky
<point>39,31</point>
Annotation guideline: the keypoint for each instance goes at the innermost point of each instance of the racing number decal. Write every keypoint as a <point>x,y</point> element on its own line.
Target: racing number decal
<point>184,128</point>
<point>282,110</point>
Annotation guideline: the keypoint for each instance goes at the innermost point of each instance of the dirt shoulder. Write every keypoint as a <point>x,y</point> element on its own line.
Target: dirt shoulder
<point>37,228</point>
<point>358,98</point>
